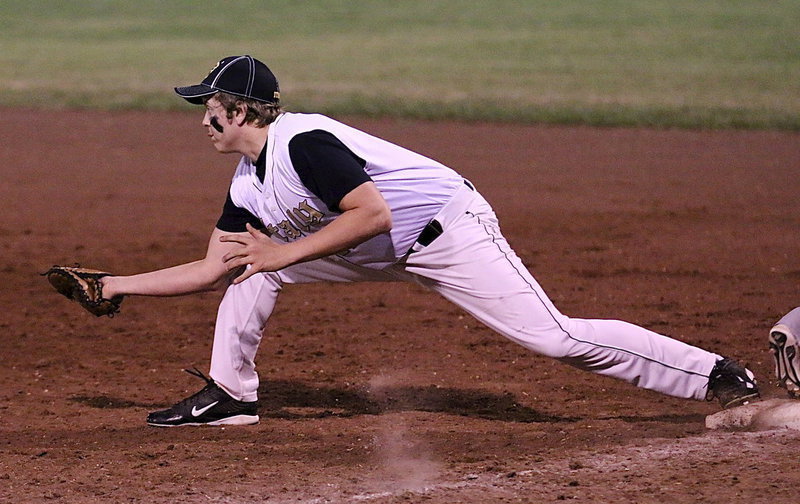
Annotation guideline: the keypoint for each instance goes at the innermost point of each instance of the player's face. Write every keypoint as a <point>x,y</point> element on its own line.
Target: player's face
<point>219,127</point>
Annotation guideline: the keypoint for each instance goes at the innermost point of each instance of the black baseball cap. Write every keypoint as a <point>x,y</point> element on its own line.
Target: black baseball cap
<point>242,76</point>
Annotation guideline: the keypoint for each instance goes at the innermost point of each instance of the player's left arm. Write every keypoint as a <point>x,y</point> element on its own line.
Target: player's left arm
<point>206,274</point>
<point>365,214</point>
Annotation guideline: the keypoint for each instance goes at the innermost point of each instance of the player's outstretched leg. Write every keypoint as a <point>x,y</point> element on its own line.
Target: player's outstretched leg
<point>786,353</point>
<point>472,265</point>
<point>211,406</point>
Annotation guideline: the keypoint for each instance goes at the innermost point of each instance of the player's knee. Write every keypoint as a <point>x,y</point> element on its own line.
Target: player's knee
<point>550,341</point>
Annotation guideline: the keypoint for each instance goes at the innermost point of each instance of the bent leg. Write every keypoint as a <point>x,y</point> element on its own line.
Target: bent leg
<point>472,265</point>
<point>245,309</point>
<point>241,318</point>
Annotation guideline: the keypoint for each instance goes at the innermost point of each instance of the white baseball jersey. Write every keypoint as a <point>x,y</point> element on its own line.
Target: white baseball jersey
<point>294,193</point>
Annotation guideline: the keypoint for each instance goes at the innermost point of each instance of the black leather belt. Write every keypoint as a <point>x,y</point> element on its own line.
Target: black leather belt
<point>433,229</point>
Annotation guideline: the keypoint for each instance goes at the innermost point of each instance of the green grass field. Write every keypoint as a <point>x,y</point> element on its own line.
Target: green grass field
<point>679,63</point>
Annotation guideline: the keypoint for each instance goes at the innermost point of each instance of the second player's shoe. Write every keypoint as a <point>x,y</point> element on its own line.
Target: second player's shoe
<point>786,354</point>
<point>732,384</point>
<point>210,406</point>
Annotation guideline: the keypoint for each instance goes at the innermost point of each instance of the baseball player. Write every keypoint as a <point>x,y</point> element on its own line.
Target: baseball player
<point>315,200</point>
<point>783,343</point>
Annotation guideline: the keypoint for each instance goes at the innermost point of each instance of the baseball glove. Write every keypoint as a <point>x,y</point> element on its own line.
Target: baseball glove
<point>83,286</point>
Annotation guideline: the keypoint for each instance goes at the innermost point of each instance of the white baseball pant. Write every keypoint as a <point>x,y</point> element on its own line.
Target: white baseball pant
<point>472,265</point>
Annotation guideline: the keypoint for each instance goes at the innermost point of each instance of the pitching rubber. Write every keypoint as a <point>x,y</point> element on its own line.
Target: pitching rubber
<point>766,415</point>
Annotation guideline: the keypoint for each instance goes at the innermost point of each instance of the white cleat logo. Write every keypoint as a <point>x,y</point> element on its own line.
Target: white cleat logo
<point>197,412</point>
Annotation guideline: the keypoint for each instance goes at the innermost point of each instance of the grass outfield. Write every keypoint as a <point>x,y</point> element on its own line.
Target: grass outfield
<point>717,63</point>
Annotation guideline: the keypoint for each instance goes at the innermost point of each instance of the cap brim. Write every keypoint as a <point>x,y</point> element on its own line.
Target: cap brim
<point>195,94</point>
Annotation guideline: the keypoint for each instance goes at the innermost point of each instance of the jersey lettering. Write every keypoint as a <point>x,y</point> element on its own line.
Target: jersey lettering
<point>307,215</point>
<point>301,218</point>
<point>289,231</point>
<point>271,230</point>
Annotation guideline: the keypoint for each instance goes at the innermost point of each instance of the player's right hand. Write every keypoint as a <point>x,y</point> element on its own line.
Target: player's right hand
<point>256,251</point>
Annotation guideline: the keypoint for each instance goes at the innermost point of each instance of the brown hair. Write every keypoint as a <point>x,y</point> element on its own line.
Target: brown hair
<point>257,113</point>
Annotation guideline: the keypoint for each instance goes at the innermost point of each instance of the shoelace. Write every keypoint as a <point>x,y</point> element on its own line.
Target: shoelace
<point>209,382</point>
<point>196,372</point>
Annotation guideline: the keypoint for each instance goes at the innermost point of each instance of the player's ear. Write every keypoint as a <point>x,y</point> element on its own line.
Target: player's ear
<point>240,114</point>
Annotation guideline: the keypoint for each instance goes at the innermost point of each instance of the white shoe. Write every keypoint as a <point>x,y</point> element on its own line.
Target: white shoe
<point>786,353</point>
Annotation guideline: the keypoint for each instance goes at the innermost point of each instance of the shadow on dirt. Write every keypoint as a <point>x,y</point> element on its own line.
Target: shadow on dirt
<point>295,400</point>
<point>289,399</point>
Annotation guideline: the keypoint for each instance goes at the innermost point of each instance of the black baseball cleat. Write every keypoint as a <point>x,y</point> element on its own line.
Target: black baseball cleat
<point>732,384</point>
<point>210,406</point>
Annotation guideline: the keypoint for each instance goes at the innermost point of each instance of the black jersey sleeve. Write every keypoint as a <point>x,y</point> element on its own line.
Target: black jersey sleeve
<point>234,219</point>
<point>326,166</point>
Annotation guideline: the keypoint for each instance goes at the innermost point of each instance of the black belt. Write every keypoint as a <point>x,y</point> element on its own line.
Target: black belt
<point>433,229</point>
<point>430,232</point>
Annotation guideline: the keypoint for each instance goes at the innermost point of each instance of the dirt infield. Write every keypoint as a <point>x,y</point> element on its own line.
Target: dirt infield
<point>388,394</point>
